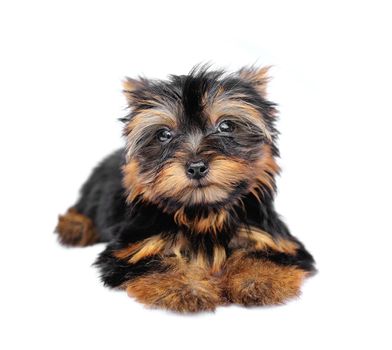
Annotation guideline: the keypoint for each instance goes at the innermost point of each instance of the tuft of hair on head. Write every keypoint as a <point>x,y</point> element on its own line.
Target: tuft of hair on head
<point>256,76</point>
<point>131,85</point>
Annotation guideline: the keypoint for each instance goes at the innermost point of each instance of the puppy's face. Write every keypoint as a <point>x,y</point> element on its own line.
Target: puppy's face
<point>204,139</point>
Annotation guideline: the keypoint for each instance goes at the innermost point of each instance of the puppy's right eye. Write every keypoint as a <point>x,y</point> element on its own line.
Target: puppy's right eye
<point>164,135</point>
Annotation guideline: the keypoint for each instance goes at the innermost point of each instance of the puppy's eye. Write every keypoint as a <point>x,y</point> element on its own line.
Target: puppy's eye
<point>164,135</point>
<point>226,126</point>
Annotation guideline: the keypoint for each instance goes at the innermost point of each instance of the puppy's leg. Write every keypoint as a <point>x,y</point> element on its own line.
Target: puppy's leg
<point>160,281</point>
<point>99,208</point>
<point>251,280</point>
<point>75,229</point>
<point>183,288</point>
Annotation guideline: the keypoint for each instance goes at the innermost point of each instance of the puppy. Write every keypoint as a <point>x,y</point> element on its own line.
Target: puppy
<point>187,207</point>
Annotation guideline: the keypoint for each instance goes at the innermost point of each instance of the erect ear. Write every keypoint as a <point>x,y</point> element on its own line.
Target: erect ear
<point>130,86</point>
<point>258,77</point>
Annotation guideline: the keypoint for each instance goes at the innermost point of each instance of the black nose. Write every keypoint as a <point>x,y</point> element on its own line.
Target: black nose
<point>197,170</point>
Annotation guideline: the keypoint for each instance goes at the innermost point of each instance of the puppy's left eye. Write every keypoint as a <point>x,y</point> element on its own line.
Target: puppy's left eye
<point>164,135</point>
<point>226,126</point>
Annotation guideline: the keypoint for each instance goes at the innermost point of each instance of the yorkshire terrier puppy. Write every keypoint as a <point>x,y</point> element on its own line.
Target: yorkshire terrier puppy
<point>188,205</point>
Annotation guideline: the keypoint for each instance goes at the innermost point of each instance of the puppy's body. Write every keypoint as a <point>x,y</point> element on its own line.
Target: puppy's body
<point>187,206</point>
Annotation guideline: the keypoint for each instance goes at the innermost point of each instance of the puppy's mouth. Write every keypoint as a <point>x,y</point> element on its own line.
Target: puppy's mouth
<point>200,186</point>
<point>202,183</point>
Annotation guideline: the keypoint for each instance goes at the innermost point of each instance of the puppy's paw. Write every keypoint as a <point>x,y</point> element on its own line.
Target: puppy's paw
<point>179,291</point>
<point>75,229</point>
<point>251,281</point>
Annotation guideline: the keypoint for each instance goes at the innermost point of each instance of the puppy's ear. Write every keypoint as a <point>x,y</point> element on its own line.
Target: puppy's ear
<point>258,77</point>
<point>130,86</point>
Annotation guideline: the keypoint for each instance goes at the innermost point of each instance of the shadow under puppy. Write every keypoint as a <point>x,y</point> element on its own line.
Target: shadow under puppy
<point>187,206</point>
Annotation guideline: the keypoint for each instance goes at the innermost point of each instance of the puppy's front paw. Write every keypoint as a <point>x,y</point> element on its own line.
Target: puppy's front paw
<point>261,282</point>
<point>180,291</point>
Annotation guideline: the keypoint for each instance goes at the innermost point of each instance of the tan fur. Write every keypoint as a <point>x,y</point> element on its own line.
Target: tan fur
<point>222,179</point>
<point>258,77</point>
<point>254,239</point>
<point>172,182</point>
<point>193,283</point>
<point>153,100</point>
<point>184,288</point>
<point>178,247</point>
<point>219,257</point>
<point>199,259</point>
<point>130,85</point>
<point>75,229</point>
<point>232,105</point>
<point>224,175</point>
<point>125,253</point>
<point>136,128</point>
<point>212,223</point>
<point>141,250</point>
<point>251,281</point>
<point>130,180</point>
<point>192,286</point>
<point>266,167</point>
<point>228,172</point>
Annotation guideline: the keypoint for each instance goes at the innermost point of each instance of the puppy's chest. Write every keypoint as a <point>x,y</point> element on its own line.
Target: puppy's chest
<point>208,250</point>
<point>210,223</point>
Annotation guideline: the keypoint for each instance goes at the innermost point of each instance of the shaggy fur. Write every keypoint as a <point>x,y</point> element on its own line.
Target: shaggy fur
<point>187,206</point>
<point>252,281</point>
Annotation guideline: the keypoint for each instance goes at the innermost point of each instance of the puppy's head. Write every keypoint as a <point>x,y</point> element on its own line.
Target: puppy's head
<point>203,139</point>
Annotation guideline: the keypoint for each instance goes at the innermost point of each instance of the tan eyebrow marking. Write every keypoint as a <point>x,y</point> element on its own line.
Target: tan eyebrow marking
<point>136,127</point>
<point>224,104</point>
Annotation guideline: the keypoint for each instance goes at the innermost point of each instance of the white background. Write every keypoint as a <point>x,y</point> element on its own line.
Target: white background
<point>61,65</point>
